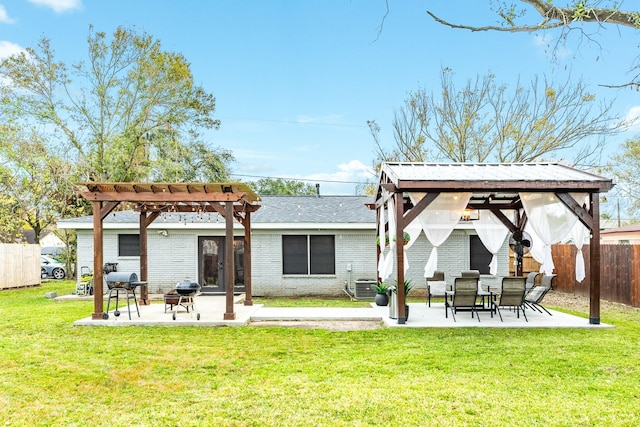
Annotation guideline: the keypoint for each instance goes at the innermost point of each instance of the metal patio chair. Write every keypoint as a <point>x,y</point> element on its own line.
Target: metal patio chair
<point>537,294</point>
<point>436,286</point>
<point>512,295</point>
<point>463,296</point>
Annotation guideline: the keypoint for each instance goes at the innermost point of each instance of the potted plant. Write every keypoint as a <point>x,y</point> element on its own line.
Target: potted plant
<point>382,297</point>
<point>405,236</point>
<point>408,286</point>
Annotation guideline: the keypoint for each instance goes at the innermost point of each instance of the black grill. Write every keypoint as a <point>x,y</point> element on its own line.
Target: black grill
<point>122,279</point>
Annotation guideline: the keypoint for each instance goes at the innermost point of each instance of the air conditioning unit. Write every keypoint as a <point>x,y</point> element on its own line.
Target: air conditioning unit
<point>365,288</point>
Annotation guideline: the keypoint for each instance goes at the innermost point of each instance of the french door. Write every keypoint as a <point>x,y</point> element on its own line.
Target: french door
<point>211,272</point>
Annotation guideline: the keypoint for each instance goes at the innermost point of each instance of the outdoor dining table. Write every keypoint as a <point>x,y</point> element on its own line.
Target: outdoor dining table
<point>487,297</point>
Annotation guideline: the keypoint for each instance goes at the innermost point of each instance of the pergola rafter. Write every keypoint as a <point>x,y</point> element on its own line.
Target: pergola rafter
<point>229,200</point>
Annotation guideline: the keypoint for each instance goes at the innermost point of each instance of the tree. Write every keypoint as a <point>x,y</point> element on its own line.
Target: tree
<point>485,121</point>
<point>130,112</point>
<point>279,186</point>
<point>564,20</point>
<point>35,184</point>
<point>627,165</point>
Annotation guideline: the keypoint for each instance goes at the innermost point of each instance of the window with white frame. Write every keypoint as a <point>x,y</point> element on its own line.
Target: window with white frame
<point>308,254</point>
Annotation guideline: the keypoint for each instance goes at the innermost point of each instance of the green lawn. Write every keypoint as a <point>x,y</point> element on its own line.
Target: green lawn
<point>55,374</point>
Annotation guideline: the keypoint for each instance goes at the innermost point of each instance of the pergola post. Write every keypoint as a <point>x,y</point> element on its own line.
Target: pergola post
<point>144,291</point>
<point>229,268</point>
<point>98,302</point>
<point>594,257</point>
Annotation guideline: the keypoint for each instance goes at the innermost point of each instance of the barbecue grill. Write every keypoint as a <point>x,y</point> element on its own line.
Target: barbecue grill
<point>122,282</point>
<point>186,292</point>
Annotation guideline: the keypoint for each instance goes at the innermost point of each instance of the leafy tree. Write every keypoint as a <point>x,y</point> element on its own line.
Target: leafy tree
<point>574,17</point>
<point>485,121</point>
<point>625,166</point>
<point>35,183</point>
<point>279,186</point>
<point>130,112</point>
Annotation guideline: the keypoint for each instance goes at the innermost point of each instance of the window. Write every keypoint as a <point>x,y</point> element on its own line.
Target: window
<point>480,257</point>
<point>128,245</point>
<point>308,254</point>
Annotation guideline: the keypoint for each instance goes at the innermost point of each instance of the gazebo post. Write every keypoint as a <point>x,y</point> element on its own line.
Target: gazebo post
<point>98,302</point>
<point>248,299</point>
<point>594,267</point>
<point>229,270</point>
<point>399,202</point>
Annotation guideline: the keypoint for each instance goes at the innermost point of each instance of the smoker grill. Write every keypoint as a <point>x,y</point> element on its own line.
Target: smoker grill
<point>184,295</point>
<point>122,282</point>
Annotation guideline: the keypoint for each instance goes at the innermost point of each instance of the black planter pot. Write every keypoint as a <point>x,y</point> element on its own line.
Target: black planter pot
<point>382,299</point>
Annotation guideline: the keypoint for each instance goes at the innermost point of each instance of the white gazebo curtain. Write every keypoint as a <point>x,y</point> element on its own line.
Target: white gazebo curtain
<point>550,221</point>
<point>385,262</point>
<point>492,233</point>
<point>579,234</point>
<point>438,221</point>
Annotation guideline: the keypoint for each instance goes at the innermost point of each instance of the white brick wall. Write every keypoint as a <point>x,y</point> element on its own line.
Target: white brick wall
<point>175,257</point>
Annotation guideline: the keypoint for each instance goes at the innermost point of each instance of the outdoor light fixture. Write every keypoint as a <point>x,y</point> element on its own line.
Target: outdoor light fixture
<point>163,233</point>
<point>470,215</point>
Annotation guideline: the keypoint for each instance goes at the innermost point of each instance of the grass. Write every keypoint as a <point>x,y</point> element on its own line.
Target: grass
<point>55,374</point>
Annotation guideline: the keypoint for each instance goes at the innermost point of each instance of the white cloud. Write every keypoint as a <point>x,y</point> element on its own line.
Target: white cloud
<point>59,6</point>
<point>551,46</point>
<point>632,118</point>
<point>4,16</point>
<point>345,180</point>
<point>8,49</point>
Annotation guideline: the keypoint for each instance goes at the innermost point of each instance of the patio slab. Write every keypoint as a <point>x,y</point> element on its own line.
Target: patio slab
<point>212,309</point>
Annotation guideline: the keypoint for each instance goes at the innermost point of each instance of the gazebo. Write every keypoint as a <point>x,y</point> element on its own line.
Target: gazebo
<point>230,200</point>
<point>439,194</point>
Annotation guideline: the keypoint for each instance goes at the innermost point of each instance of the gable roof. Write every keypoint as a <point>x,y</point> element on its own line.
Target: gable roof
<point>274,212</point>
<point>631,228</point>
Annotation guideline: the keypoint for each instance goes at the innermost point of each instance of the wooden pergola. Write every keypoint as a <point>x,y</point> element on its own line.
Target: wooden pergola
<point>494,187</point>
<point>230,200</point>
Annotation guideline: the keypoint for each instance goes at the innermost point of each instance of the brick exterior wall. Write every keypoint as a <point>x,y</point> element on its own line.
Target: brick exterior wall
<point>175,257</point>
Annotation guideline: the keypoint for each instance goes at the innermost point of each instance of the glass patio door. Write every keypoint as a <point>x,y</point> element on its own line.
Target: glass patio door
<point>211,264</point>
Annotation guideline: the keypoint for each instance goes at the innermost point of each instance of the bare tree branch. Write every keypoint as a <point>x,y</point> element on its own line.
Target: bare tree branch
<point>555,17</point>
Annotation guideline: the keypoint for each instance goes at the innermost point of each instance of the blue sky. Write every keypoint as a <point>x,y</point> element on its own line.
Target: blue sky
<point>296,81</point>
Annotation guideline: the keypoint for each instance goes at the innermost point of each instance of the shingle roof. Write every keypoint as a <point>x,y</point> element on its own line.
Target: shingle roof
<point>274,210</point>
<point>625,229</point>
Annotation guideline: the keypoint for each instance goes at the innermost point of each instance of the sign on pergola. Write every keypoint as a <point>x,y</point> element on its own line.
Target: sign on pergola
<point>230,200</point>
<point>493,187</point>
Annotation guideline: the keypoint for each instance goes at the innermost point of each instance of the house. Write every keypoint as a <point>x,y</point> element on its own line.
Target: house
<point>301,245</point>
<point>628,234</point>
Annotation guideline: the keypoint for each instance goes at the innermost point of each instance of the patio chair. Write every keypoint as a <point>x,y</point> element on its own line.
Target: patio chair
<point>512,295</point>
<point>537,294</point>
<point>436,286</point>
<point>470,273</point>
<point>463,295</point>
<point>531,281</point>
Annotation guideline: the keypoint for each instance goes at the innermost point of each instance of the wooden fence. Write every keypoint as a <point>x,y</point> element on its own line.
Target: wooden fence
<point>619,272</point>
<point>19,265</point>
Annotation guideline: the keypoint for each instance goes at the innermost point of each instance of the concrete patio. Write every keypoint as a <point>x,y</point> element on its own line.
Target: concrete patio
<point>212,308</point>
